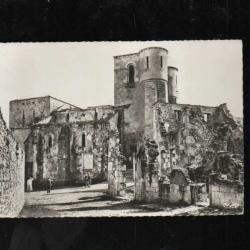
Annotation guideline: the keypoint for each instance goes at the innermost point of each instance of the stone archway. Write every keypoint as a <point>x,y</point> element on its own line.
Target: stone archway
<point>180,190</point>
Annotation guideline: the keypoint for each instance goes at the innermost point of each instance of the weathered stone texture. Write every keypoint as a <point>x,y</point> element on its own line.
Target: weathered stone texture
<point>172,84</point>
<point>187,140</point>
<point>226,195</point>
<point>147,179</point>
<point>11,173</point>
<point>21,135</point>
<point>24,112</point>
<point>150,64</point>
<point>179,186</point>
<point>116,168</point>
<point>150,98</point>
<point>68,144</point>
<point>123,91</point>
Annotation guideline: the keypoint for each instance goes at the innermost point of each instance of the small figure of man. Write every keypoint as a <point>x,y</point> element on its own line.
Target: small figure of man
<point>29,184</point>
<point>87,180</point>
<point>49,185</point>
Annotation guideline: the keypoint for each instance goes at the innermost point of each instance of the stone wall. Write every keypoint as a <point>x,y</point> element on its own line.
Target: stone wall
<point>123,91</point>
<point>116,168</point>
<point>11,173</point>
<point>139,96</point>
<point>152,183</point>
<point>147,168</point>
<point>24,112</point>
<point>190,136</point>
<point>68,144</point>
<point>150,97</point>
<point>226,195</point>
<point>130,95</point>
<point>179,193</point>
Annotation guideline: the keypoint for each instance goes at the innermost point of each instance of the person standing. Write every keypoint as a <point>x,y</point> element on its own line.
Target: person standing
<point>29,184</point>
<point>49,185</point>
<point>87,180</point>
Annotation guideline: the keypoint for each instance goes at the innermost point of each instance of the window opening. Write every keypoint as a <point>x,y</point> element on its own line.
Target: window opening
<point>131,74</point>
<point>83,140</point>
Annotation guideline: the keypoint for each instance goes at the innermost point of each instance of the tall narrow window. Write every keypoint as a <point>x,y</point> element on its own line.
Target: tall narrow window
<point>50,141</point>
<point>83,140</point>
<point>67,117</point>
<point>161,62</point>
<point>131,74</point>
<point>23,119</point>
<point>147,62</point>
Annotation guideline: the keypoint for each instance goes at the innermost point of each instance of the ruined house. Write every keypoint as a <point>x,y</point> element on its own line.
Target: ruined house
<point>62,141</point>
<point>146,130</point>
<point>187,136</point>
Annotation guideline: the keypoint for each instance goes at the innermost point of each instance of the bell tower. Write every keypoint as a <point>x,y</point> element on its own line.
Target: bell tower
<point>153,75</point>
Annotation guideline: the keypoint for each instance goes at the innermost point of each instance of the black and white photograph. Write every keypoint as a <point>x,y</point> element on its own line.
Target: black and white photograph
<point>117,129</point>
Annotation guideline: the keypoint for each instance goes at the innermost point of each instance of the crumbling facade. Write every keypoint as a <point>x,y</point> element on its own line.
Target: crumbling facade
<point>62,141</point>
<point>11,173</point>
<point>188,137</point>
<point>146,130</point>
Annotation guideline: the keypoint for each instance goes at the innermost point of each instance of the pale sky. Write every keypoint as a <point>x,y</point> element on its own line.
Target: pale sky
<point>82,73</point>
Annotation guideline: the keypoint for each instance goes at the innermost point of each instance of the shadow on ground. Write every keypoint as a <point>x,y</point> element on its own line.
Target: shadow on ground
<point>77,192</point>
<point>130,205</point>
<point>82,200</point>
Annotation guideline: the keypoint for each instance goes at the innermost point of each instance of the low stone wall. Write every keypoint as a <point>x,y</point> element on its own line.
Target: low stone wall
<point>199,192</point>
<point>11,173</point>
<point>177,189</point>
<point>179,194</point>
<point>224,195</point>
<point>189,194</point>
<point>164,190</point>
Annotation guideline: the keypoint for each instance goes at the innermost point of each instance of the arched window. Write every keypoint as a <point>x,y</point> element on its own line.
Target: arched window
<point>131,74</point>
<point>83,140</point>
<point>67,117</point>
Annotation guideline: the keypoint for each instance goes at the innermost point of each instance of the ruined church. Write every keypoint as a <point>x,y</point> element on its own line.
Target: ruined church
<point>146,134</point>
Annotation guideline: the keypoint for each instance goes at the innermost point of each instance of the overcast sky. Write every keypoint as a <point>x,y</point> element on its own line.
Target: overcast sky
<point>210,72</point>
